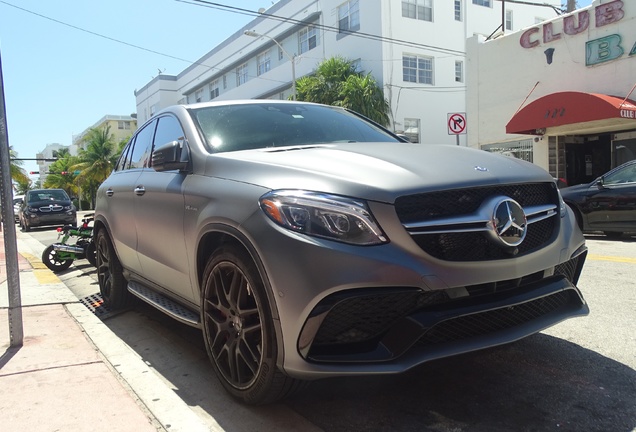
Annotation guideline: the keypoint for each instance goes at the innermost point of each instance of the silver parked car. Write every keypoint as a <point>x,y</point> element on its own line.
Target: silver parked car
<point>307,242</point>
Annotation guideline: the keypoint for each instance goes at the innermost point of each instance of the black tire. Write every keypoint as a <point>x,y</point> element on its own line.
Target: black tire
<point>91,253</point>
<point>238,329</point>
<point>51,259</point>
<point>112,284</point>
<point>26,228</point>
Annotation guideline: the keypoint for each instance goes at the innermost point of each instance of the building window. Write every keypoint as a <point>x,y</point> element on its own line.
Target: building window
<point>418,9</point>
<point>241,74</point>
<point>417,69</point>
<point>458,10</point>
<point>123,125</point>
<point>349,16</point>
<point>459,71</point>
<point>281,96</point>
<point>487,3</point>
<point>281,53</point>
<point>263,63</point>
<point>412,129</point>
<point>224,82</point>
<point>214,89</point>
<point>307,39</point>
<point>198,95</point>
<point>508,20</point>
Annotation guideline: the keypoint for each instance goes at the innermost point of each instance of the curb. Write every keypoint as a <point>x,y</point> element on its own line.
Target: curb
<point>154,396</point>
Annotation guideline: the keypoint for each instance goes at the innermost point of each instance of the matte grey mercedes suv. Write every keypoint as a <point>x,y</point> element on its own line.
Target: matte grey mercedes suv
<point>306,242</point>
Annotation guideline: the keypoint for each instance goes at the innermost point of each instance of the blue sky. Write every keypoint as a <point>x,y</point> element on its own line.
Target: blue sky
<point>59,80</point>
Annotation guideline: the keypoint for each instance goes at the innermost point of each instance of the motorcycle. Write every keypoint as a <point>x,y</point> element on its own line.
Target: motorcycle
<point>59,256</point>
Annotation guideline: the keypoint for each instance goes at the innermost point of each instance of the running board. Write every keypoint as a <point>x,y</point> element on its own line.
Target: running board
<point>165,304</point>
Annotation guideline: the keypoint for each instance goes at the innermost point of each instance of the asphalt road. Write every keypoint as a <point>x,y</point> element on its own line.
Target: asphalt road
<point>577,376</point>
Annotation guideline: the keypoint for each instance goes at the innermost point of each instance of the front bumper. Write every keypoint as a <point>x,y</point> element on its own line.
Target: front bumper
<point>36,219</point>
<point>347,310</point>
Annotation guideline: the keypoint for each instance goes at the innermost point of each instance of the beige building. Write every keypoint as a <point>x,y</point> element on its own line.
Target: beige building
<point>121,127</point>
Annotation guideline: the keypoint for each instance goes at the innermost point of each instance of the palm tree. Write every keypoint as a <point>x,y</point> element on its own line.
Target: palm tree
<point>96,160</point>
<point>337,82</point>
<point>61,153</point>
<point>17,172</point>
<point>61,175</point>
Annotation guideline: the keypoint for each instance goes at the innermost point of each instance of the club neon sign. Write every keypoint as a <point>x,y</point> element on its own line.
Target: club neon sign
<point>598,50</point>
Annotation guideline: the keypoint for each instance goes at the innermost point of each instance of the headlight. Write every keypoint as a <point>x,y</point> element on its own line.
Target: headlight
<point>322,215</point>
<point>563,207</point>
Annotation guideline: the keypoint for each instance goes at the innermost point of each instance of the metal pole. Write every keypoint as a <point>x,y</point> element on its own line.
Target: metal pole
<point>16,332</point>
<point>292,59</point>
<point>293,62</point>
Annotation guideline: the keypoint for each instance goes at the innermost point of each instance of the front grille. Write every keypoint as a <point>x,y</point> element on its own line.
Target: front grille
<point>483,323</point>
<point>571,269</point>
<point>432,205</point>
<point>474,246</point>
<point>454,245</point>
<point>377,325</point>
<point>362,318</point>
<point>51,208</point>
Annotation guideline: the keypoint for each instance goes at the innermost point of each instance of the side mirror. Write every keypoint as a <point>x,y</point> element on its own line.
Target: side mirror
<point>600,183</point>
<point>174,155</point>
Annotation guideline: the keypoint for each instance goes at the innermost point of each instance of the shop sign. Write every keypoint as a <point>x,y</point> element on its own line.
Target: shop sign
<point>605,14</point>
<point>628,114</point>
<point>596,51</point>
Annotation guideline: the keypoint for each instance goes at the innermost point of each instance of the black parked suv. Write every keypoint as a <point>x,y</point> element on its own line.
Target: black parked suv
<point>43,207</point>
<point>307,242</point>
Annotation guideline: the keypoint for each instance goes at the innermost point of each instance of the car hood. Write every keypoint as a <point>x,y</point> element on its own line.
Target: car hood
<point>372,171</point>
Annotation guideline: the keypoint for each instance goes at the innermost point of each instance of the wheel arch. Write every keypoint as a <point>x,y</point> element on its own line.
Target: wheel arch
<point>217,235</point>
<point>212,238</point>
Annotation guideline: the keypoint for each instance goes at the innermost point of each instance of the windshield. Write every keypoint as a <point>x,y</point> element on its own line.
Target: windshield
<point>48,195</point>
<point>252,126</point>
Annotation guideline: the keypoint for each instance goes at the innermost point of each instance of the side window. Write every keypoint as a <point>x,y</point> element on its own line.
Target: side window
<point>625,175</point>
<point>140,157</point>
<point>168,129</point>
<point>123,161</point>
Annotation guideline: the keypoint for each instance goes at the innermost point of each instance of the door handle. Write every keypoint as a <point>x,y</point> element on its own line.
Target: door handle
<point>140,190</point>
<point>109,192</point>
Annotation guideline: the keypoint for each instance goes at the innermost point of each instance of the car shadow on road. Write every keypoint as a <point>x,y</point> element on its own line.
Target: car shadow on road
<point>625,238</point>
<point>539,383</point>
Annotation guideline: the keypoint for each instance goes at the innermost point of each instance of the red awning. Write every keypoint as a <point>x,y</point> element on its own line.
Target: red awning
<point>568,108</point>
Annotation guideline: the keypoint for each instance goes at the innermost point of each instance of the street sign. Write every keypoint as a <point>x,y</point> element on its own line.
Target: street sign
<point>457,123</point>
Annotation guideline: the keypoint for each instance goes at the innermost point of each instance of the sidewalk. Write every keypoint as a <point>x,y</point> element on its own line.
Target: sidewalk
<point>72,373</point>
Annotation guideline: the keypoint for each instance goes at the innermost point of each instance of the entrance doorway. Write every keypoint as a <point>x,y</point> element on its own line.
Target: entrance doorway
<point>587,160</point>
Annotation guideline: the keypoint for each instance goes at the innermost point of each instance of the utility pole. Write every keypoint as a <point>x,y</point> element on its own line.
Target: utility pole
<point>571,6</point>
<point>16,330</point>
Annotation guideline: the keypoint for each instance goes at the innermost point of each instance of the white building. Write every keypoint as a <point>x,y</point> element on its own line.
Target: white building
<point>561,98</point>
<point>415,49</point>
<point>121,127</point>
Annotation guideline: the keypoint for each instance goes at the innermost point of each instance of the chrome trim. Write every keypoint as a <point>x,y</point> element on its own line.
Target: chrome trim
<point>478,221</point>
